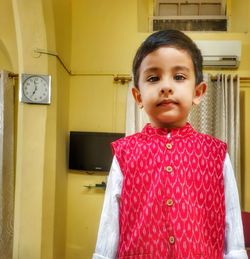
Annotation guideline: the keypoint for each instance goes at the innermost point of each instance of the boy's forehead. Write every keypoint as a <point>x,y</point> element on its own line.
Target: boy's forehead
<point>167,56</point>
<point>168,50</point>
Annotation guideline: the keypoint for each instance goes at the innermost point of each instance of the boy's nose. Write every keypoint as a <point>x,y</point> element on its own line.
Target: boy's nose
<point>166,89</point>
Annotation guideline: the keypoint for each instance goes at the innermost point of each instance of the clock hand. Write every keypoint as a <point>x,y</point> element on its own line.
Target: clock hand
<point>34,89</point>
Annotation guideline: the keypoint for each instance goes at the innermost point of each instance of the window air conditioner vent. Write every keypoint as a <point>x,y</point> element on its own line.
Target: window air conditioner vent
<point>190,23</point>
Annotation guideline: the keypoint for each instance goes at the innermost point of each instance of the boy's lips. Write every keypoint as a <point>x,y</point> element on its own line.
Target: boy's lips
<point>166,102</point>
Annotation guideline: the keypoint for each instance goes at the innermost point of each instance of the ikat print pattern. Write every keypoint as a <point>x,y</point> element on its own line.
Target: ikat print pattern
<point>172,201</point>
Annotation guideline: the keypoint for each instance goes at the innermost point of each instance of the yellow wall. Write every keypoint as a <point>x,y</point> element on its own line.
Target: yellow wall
<point>245,123</point>
<point>96,104</point>
<point>41,163</point>
<point>5,62</point>
<point>58,28</point>
<point>8,48</point>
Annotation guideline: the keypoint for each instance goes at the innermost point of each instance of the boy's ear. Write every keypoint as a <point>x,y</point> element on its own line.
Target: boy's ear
<point>200,90</point>
<point>137,96</point>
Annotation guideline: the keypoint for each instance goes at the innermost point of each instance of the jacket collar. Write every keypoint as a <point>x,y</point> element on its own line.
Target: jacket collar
<point>182,132</point>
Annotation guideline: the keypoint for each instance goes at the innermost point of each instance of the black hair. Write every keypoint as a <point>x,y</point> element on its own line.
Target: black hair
<point>169,38</point>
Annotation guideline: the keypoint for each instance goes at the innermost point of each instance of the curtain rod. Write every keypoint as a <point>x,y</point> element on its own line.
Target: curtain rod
<point>125,78</point>
<point>242,79</point>
<point>118,78</point>
<point>12,75</point>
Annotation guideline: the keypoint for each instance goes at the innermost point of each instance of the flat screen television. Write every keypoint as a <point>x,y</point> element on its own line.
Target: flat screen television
<point>91,151</point>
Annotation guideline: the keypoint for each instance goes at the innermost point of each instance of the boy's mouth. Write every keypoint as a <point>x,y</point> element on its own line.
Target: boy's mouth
<point>166,102</point>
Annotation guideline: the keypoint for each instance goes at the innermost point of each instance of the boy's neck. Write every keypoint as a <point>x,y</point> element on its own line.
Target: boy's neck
<point>168,127</point>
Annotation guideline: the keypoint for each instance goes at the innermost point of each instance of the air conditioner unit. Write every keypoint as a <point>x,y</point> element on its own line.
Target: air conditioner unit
<point>222,54</point>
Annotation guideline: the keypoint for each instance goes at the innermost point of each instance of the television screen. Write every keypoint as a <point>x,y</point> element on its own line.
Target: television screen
<point>91,151</point>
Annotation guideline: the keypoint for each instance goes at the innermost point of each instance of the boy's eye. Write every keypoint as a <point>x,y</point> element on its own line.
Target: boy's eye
<point>152,78</point>
<point>179,77</point>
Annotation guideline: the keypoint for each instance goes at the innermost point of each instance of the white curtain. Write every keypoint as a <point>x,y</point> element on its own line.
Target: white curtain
<point>6,165</point>
<point>216,115</point>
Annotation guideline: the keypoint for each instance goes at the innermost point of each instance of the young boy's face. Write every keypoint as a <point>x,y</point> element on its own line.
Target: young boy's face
<point>167,88</point>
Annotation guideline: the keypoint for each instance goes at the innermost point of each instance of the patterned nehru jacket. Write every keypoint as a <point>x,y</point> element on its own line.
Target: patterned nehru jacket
<point>172,200</point>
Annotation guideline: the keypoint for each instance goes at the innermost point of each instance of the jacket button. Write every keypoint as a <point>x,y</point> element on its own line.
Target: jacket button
<point>169,146</point>
<point>170,202</point>
<point>171,240</point>
<point>169,169</point>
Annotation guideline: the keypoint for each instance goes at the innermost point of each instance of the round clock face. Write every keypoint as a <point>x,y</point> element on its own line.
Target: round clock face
<point>36,89</point>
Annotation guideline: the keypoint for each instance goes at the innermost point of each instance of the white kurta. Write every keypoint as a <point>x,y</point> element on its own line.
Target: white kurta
<point>108,235</point>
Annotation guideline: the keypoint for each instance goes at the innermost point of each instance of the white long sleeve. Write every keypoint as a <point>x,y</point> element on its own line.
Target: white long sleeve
<point>234,239</point>
<point>108,235</point>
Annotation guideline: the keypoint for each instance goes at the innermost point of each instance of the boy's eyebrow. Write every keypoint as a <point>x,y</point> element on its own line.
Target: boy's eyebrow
<point>187,69</point>
<point>151,69</point>
<point>176,68</point>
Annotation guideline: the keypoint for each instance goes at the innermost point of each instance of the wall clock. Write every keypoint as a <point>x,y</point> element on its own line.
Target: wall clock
<point>35,88</point>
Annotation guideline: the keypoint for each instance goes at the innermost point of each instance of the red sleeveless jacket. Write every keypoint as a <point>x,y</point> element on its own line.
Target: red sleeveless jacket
<point>172,200</point>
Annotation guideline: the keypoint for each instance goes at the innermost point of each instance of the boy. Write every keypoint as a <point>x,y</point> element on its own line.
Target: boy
<point>171,191</point>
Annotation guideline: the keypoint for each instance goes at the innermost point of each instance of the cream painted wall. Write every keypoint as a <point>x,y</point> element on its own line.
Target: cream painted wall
<point>96,104</point>
<point>41,175</point>
<point>104,25</point>
<point>8,48</point>
<point>30,137</point>
<point>105,36</point>
<point>5,61</point>
<point>58,29</point>
<point>245,122</point>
